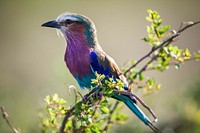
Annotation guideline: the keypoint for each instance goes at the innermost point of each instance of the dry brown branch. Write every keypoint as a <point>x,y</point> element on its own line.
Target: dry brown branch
<point>5,117</point>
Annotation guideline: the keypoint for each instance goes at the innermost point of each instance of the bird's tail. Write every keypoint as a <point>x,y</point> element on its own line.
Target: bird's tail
<point>136,110</point>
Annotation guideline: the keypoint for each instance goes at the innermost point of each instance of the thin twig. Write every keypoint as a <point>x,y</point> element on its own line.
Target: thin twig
<point>70,111</point>
<point>109,116</point>
<point>95,109</point>
<point>67,115</point>
<point>140,60</point>
<point>173,62</point>
<point>5,116</point>
<point>166,42</point>
<point>146,65</point>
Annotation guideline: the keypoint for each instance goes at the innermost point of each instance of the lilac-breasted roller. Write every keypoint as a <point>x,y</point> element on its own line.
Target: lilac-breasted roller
<point>84,56</point>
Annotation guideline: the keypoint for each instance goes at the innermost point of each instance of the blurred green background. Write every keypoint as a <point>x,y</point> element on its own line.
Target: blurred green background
<point>32,64</point>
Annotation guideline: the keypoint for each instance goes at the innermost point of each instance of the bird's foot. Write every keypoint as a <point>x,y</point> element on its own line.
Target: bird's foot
<point>85,97</point>
<point>98,94</point>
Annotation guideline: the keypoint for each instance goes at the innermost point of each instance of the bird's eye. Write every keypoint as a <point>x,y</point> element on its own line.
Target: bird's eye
<point>68,21</point>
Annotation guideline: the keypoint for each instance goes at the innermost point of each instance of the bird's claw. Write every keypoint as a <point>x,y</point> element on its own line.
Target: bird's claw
<point>98,94</point>
<point>85,97</point>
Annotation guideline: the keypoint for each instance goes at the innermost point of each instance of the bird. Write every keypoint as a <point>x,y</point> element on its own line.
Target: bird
<point>84,57</point>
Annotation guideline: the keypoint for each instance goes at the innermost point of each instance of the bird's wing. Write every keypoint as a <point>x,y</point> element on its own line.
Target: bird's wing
<point>104,64</point>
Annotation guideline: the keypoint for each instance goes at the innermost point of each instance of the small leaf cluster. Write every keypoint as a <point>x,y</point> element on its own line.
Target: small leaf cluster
<point>162,56</point>
<point>93,114</point>
<point>171,55</point>
<point>51,117</point>
<point>156,31</point>
<point>139,82</point>
<point>107,84</point>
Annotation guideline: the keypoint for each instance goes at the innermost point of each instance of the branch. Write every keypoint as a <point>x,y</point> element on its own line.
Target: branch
<point>70,111</point>
<point>174,62</point>
<point>109,117</point>
<point>5,117</point>
<point>67,115</point>
<point>165,43</point>
<point>127,93</point>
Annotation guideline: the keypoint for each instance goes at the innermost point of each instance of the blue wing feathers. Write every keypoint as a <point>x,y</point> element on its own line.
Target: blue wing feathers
<point>133,107</point>
<point>100,69</point>
<point>85,81</point>
<point>96,66</point>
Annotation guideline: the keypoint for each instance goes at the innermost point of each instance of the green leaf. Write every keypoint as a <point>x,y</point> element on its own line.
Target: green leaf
<point>145,39</point>
<point>47,99</point>
<point>69,124</point>
<point>104,109</point>
<point>187,54</point>
<point>102,76</point>
<point>149,29</point>
<point>150,83</point>
<point>95,129</point>
<point>88,130</point>
<point>180,59</point>
<point>108,92</point>
<point>149,19</point>
<point>141,76</point>
<point>139,87</point>
<point>155,15</point>
<point>61,101</point>
<point>196,56</point>
<point>158,86</point>
<point>55,97</point>
<point>163,30</point>
<point>159,22</point>
<point>149,11</point>
<point>104,102</point>
<point>121,117</point>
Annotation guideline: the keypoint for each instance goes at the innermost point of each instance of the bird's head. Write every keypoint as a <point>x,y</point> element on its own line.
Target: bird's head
<point>74,26</point>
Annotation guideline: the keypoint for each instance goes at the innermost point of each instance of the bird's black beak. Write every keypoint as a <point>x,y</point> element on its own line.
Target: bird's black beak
<point>51,24</point>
